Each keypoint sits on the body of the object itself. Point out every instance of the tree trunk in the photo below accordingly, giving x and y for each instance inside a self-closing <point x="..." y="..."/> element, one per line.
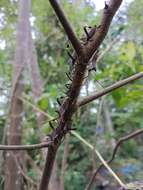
<point x="36" y="81"/>
<point x="37" y="85"/>
<point x="109" y="124"/>
<point x="13" y="178"/>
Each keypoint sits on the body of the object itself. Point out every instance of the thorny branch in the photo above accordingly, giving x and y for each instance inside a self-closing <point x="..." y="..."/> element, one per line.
<point x="120" y="141"/>
<point x="84" y="53"/>
<point x="69" y="105"/>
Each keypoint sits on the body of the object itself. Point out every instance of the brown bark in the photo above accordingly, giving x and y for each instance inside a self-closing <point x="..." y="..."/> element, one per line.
<point x="13" y="179"/>
<point x="64" y="161"/>
<point x="49" y="167"/>
<point x="54" y="182"/>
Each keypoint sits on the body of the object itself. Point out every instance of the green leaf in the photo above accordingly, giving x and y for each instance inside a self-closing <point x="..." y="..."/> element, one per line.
<point x="43" y="102"/>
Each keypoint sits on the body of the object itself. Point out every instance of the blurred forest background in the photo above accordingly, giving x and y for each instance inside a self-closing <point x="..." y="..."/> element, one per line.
<point x="101" y="122"/>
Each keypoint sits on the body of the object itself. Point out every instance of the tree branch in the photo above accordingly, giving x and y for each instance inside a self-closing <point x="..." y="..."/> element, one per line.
<point x="120" y="141"/>
<point x="68" y="106"/>
<point x="108" y="14"/>
<point x="48" y="167"/>
<point x="64" y="161"/>
<point x="66" y="25"/>
<point x="100" y="158"/>
<point x="25" y="147"/>
<point x="108" y="89"/>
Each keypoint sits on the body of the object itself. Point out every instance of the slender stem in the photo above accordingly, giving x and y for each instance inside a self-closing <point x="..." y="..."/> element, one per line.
<point x="121" y="140"/>
<point x="100" y="157"/>
<point x="108" y="89"/>
<point x="24" y="147"/>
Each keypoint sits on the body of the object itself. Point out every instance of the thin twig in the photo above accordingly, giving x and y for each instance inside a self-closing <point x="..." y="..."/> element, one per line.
<point x="25" y="147"/>
<point x="109" y="47"/>
<point x="100" y="157"/>
<point x="35" y="107"/>
<point x="121" y="140"/>
<point x="108" y="89"/>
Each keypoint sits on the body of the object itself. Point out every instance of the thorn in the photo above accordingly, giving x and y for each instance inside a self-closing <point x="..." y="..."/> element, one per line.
<point x="72" y="129"/>
<point x="69" y="77"/>
<point x="92" y="69"/>
<point x="62" y="97"/>
<point x="67" y="86"/>
<point x="106" y="6"/>
<point x="68" y="45"/>
<point x="90" y="33"/>
<point x="49" y="137"/>
<point x="86" y="32"/>
<point x="51" y="125"/>
<point x="58" y="100"/>
<point x="71" y="56"/>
